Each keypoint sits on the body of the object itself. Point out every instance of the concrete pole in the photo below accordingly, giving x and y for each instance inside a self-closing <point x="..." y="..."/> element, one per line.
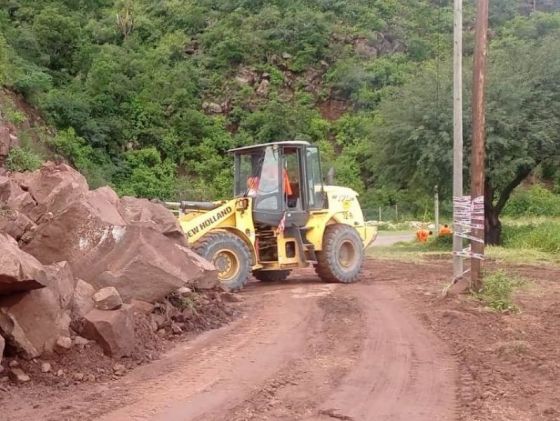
<point x="436" y="211"/>
<point x="457" y="127"/>
<point x="478" y="130"/>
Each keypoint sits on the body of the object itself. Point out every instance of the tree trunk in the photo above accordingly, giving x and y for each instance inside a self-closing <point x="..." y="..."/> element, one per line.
<point x="492" y="226"/>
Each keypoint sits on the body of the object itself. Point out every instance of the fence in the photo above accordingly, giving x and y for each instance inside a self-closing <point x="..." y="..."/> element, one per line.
<point x="404" y="212"/>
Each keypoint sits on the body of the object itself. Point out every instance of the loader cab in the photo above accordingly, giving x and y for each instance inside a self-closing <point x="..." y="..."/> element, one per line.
<point x="284" y="179"/>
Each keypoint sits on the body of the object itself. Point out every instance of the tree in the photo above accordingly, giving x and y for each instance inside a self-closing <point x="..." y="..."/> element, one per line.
<point x="413" y="131"/>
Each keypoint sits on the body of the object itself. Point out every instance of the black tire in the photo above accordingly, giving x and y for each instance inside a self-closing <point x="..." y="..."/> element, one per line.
<point x="333" y="263"/>
<point x="271" y="275"/>
<point x="223" y="249"/>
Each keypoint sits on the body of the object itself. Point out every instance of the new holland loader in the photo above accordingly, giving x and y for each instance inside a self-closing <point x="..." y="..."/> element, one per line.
<point x="282" y="217"/>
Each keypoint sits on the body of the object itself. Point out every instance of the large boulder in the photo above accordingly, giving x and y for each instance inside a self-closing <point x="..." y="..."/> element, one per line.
<point x="14" y="223"/>
<point x="19" y="271"/>
<point x="2" y="345"/>
<point x="13" y="197"/>
<point x="77" y="230"/>
<point x="142" y="263"/>
<point x="61" y="280"/>
<point x="107" y="298"/>
<point x="143" y="211"/>
<point x="82" y="300"/>
<point x="113" y="330"/>
<point x="32" y="321"/>
<point x="53" y="187"/>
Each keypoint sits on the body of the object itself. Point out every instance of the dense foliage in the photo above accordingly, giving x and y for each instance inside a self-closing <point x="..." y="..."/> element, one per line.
<point x="414" y="127"/>
<point x="148" y="96"/>
<point x="133" y="86"/>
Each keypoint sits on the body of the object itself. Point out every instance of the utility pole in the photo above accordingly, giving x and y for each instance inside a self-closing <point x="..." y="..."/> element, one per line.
<point x="436" y="211"/>
<point x="457" y="130"/>
<point x="478" y="132"/>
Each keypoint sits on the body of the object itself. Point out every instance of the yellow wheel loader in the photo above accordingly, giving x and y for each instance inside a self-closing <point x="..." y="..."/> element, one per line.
<point x="281" y="218"/>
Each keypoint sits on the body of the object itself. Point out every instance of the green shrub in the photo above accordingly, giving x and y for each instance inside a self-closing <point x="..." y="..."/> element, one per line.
<point x="22" y="159"/>
<point x="542" y="236"/>
<point x="535" y="201"/>
<point x="497" y="291"/>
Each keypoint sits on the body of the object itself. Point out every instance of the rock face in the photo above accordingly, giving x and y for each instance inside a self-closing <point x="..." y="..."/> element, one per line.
<point x="53" y="187"/>
<point x="143" y="211"/>
<point x="32" y="321"/>
<point x="14" y="198"/>
<point x="142" y="264"/>
<point x="82" y="300"/>
<point x="113" y="330"/>
<point x="19" y="271"/>
<point x="61" y="280"/>
<point x="2" y="346"/>
<point x="107" y="298"/>
<point x="14" y="223"/>
<point x="74" y="232"/>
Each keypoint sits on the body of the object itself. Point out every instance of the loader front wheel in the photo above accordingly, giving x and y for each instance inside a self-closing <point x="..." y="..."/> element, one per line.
<point x="342" y="256"/>
<point x="229" y="254"/>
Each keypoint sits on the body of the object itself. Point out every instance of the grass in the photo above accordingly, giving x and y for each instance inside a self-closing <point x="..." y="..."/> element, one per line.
<point x="498" y="290"/>
<point x="533" y="240"/>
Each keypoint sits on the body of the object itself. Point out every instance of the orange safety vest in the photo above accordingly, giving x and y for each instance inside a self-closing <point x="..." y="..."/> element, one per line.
<point x="445" y="231"/>
<point x="422" y="235"/>
<point x="253" y="183"/>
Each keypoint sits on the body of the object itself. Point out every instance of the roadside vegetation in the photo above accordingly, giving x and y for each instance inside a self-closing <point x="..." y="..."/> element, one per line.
<point x="497" y="292"/>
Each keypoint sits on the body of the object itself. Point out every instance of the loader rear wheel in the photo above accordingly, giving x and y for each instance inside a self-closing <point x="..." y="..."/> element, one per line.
<point x="342" y="256"/>
<point x="271" y="275"/>
<point x="230" y="255"/>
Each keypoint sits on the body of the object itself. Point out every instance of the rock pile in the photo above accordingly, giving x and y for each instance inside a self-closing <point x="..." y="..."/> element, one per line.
<point x="80" y="262"/>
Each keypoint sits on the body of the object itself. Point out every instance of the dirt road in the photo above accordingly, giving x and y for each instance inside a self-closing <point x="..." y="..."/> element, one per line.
<point x="303" y="351"/>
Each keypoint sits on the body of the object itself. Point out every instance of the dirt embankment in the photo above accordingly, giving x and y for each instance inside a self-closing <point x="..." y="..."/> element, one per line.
<point x="509" y="364"/>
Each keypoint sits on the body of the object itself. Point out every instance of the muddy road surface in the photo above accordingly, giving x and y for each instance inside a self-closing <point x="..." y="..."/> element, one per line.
<point x="303" y="350"/>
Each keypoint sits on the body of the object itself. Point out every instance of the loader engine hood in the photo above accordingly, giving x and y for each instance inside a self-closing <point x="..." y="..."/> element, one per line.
<point x="340" y="193"/>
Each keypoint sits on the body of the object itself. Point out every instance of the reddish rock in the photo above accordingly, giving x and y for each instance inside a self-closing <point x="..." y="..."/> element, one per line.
<point x="112" y="330"/>
<point x="143" y="264"/>
<point x="2" y="345"/>
<point x="76" y="231"/>
<point x="53" y="187"/>
<point x="82" y="300"/>
<point x="14" y="223"/>
<point x="13" y="197"/>
<point x="107" y="298"/>
<point x="19" y="271"/>
<point x="32" y="321"/>
<point x="139" y="306"/>
<point x="18" y="375"/>
<point x="106" y="193"/>
<point x="143" y="211"/>
<point x="61" y="280"/>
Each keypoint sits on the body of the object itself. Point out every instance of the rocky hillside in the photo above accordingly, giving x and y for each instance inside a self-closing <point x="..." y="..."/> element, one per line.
<point x="147" y="96"/>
